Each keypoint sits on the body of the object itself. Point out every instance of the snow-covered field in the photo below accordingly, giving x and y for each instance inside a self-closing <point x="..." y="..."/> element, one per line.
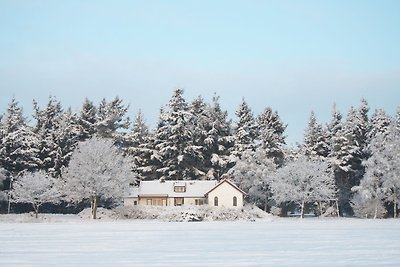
<point x="68" y="241"/>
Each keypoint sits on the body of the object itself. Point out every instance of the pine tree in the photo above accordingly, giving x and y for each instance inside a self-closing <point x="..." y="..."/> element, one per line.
<point x="87" y="119"/>
<point x="17" y="142"/>
<point x="315" y="139"/>
<point x="111" y="117"/>
<point x="245" y="129"/>
<point x="174" y="141"/>
<point x="219" y="141"/>
<point x="47" y="127"/>
<point x="138" y="145"/>
<point x="271" y="134"/>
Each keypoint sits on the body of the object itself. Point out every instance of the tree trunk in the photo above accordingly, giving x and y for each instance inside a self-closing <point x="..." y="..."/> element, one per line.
<point x="394" y="207"/>
<point x="36" y="209"/>
<point x="320" y="208"/>
<point x="376" y="211"/>
<point x="94" y="207"/>
<point x="302" y="209"/>
<point x="337" y="208"/>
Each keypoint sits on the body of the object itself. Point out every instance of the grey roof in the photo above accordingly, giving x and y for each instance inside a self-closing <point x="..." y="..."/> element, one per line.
<point x="166" y="188"/>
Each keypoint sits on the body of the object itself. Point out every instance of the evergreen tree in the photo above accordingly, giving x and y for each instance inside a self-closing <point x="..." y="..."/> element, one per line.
<point x="17" y="141"/>
<point x="46" y="129"/>
<point x="111" y="117"/>
<point x="271" y="134"/>
<point x="138" y="144"/>
<point x="219" y="141"/>
<point x="315" y="139"/>
<point x="245" y="129"/>
<point x="87" y="119"/>
<point x="174" y="142"/>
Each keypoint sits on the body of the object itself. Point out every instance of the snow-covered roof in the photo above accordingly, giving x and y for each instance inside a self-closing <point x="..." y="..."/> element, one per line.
<point x="166" y="188"/>
<point x="226" y="180"/>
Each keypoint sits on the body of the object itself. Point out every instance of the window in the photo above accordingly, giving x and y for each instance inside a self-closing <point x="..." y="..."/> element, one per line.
<point x="180" y="189"/>
<point x="199" y="202"/>
<point x="179" y="201"/>
<point x="149" y="202"/>
<point x="135" y="202"/>
<point x="216" y="201"/>
<point x="235" y="201"/>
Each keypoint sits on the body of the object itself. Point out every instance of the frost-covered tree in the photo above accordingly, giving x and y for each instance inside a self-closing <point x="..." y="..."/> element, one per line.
<point x="17" y="142"/>
<point x="380" y="123"/>
<point x="271" y="134"/>
<point x="174" y="141"/>
<point x="381" y="182"/>
<point x="252" y="173"/>
<point x="87" y="119"/>
<point x="346" y="157"/>
<point x="303" y="182"/>
<point x="36" y="188"/>
<point x="66" y="139"/>
<point x="111" y="117"/>
<point x="219" y="141"/>
<point x="97" y="171"/>
<point x="315" y="144"/>
<point x="138" y="145"/>
<point x="46" y="128"/>
<point x="245" y="130"/>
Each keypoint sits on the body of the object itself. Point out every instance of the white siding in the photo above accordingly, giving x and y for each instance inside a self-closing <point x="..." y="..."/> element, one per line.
<point x="225" y="193"/>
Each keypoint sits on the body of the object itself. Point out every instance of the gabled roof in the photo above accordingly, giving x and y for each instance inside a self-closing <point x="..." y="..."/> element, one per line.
<point x="226" y="180"/>
<point x="166" y="188"/>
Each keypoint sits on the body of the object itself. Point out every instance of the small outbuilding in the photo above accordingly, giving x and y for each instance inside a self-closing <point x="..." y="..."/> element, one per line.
<point x="177" y="193"/>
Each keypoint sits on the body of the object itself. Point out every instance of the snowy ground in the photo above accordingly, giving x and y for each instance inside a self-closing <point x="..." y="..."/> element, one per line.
<point x="68" y="241"/>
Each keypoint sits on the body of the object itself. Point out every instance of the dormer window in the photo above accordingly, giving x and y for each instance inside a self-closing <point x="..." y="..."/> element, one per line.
<point x="180" y="187"/>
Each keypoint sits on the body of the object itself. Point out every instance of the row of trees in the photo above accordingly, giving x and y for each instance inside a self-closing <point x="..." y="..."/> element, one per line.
<point x="196" y="140"/>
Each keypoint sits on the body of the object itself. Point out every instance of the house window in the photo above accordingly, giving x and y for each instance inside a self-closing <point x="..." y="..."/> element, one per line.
<point x="149" y="202"/>
<point x="179" y="201"/>
<point x="199" y="202"/>
<point x="216" y="201"/>
<point x="135" y="202"/>
<point x="180" y="189"/>
<point x="235" y="201"/>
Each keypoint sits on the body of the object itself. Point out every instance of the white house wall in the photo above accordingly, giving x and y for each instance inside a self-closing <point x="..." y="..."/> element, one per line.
<point x="225" y="193"/>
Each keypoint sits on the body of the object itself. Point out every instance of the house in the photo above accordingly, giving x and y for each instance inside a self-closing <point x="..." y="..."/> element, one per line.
<point x="177" y="193"/>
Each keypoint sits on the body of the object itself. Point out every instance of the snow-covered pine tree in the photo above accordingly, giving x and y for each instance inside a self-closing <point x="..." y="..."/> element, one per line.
<point x="97" y="171"/>
<point x="245" y="130"/>
<point x="315" y="144"/>
<point x="348" y="151"/>
<point x="36" y="188"/>
<point x="138" y="144"/>
<point x="111" y="117"/>
<point x="46" y="128"/>
<point x="380" y="123"/>
<point x="66" y="138"/>
<point x="87" y="119"/>
<point x="271" y="134"/>
<point x="219" y="141"/>
<point x="174" y="143"/>
<point x="252" y="173"/>
<point x="303" y="181"/>
<point x="17" y="141"/>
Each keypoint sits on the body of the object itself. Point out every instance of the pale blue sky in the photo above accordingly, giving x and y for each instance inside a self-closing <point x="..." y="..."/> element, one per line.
<point x="295" y="56"/>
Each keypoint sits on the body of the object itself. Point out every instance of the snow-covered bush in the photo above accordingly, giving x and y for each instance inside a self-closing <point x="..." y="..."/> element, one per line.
<point x="190" y="213"/>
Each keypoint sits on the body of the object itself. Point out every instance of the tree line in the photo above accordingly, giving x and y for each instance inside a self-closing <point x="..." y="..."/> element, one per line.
<point x="351" y="161"/>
